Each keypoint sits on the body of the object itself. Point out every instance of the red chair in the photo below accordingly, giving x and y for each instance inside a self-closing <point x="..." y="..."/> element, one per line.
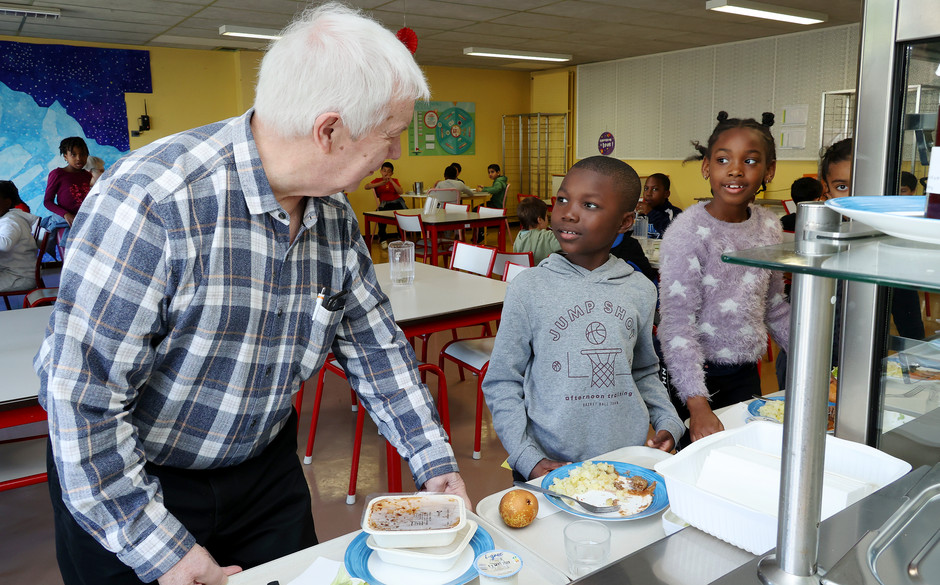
<point x="474" y="354"/>
<point x="412" y="224"/>
<point x="40" y="297"/>
<point x="43" y="236"/>
<point x="502" y="258"/>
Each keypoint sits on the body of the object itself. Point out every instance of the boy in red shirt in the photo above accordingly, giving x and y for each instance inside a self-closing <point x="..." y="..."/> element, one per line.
<point x="388" y="192"/>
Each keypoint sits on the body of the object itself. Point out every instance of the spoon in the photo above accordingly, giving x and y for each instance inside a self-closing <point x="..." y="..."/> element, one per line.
<point x="589" y="507"/>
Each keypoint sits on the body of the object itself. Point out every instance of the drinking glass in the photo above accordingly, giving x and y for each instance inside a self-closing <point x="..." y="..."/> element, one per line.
<point x="641" y="228"/>
<point x="401" y="259"/>
<point x="587" y="545"/>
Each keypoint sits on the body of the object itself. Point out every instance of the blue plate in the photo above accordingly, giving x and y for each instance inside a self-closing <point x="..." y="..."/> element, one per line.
<point x="660" y="498"/>
<point x="358" y="554"/>
<point x="901" y="217"/>
<point x="754" y="407"/>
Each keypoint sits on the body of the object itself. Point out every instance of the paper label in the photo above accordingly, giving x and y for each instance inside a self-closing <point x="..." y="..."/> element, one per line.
<point x="933" y="174"/>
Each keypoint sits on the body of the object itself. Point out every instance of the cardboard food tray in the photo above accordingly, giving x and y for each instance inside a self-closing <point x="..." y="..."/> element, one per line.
<point x="753" y="531"/>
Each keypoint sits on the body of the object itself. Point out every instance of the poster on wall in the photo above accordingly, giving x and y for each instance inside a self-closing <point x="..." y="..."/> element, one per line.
<point x="50" y="92"/>
<point x="442" y="129"/>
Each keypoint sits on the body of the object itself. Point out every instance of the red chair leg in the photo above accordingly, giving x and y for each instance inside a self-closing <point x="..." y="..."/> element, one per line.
<point x="478" y="432"/>
<point x="443" y="405"/>
<point x="393" y="461"/>
<point x="357" y="448"/>
<point x="770" y="350"/>
<point x="308" y="456"/>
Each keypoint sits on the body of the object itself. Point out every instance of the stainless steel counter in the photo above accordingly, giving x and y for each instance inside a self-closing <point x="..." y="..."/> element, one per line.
<point x="691" y="557"/>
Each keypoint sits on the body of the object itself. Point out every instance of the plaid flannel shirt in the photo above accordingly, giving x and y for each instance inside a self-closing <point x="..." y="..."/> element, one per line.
<point x="185" y="321"/>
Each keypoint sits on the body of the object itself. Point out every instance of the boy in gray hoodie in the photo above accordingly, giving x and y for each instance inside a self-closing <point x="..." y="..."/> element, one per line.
<point x="573" y="373"/>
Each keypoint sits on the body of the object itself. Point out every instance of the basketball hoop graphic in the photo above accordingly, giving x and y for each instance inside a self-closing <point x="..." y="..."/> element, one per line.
<point x="602" y="366"/>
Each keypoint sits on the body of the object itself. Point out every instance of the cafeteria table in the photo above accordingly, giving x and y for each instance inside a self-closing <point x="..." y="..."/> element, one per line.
<point x="438" y="221"/>
<point x="417" y="201"/>
<point x="23" y="332"/>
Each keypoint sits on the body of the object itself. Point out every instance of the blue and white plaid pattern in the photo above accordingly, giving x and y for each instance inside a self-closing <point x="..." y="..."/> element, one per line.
<point x="185" y="321"/>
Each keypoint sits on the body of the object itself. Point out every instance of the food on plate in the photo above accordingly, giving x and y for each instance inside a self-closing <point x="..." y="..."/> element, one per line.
<point x="518" y="508"/>
<point x="414" y="513"/>
<point x="774" y="409"/>
<point x="601" y="484"/>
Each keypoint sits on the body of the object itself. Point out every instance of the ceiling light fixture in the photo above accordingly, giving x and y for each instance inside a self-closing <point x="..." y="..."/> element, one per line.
<point x="249" y="32"/>
<point x="30" y="11"/>
<point x="508" y="54"/>
<point x="770" y="11"/>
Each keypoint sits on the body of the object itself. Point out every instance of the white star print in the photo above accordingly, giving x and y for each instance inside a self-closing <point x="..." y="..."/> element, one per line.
<point x="749" y="277"/>
<point x="694" y="265"/>
<point x="746" y="330"/>
<point x="707" y="328"/>
<point x="728" y="306"/>
<point x="725" y="353"/>
<point x="678" y="342"/>
<point x="710" y="280"/>
<point x="703" y="231"/>
<point x="776" y="300"/>
<point x="676" y="289"/>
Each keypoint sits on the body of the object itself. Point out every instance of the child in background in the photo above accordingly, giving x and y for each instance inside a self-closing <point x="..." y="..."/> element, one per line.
<point x="715" y="315"/>
<point x="535" y="236"/>
<point x="573" y="373"/>
<point x="656" y="206"/>
<point x="67" y="187"/>
<point x="95" y="166"/>
<point x="802" y="190"/>
<point x="388" y="196"/>
<point x="498" y="189"/>
<point x="459" y="170"/>
<point x="17" y="245"/>
<point x="908" y="184"/>
<point x="450" y="181"/>
<point x="835" y="170"/>
<point x="12" y="193"/>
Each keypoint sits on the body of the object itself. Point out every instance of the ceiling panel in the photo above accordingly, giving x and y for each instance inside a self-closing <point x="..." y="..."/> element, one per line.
<point x="590" y="30"/>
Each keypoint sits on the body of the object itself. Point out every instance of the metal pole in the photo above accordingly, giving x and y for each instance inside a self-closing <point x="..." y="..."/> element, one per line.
<point x="812" y="313"/>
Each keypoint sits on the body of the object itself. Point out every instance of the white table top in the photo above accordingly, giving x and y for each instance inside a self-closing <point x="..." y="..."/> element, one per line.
<point x="436" y="216"/>
<point x="23" y="332"/>
<point x="534" y="570"/>
<point x="545" y="535"/>
<point x="439" y="291"/>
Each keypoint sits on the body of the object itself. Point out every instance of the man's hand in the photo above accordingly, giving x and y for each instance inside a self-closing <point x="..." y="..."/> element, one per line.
<point x="198" y="568"/>
<point x="69" y="217"/>
<point x="449" y="483"/>
<point x="544" y="466"/>
<point x="662" y="441"/>
<point x="702" y="421"/>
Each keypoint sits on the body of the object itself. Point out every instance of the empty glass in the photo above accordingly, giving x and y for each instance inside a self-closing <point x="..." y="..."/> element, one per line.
<point x="587" y="545"/>
<point x="401" y="260"/>
<point x="641" y="228"/>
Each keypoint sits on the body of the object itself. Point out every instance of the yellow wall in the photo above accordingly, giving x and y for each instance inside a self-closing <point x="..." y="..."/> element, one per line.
<point x="495" y="94"/>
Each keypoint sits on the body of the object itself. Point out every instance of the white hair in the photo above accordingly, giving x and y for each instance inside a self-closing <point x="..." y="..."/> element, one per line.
<point x="334" y="59"/>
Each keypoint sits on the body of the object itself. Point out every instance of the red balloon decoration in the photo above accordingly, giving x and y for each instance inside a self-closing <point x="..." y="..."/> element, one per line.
<point x="409" y="38"/>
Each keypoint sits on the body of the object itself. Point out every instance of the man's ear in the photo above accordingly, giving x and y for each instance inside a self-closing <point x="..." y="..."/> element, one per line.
<point x="627" y="224"/>
<point x="324" y="128"/>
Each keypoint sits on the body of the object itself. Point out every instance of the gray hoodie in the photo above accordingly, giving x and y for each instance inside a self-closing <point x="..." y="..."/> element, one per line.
<point x="573" y="373"/>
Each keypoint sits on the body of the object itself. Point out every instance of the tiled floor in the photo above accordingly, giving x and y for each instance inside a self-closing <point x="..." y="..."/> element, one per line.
<point x="26" y="543"/>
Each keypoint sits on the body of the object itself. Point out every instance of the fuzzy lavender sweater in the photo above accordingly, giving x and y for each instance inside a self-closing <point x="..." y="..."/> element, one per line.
<point x="715" y="311"/>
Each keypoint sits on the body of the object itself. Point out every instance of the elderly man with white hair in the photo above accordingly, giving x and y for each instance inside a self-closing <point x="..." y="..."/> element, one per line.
<point x="209" y="274"/>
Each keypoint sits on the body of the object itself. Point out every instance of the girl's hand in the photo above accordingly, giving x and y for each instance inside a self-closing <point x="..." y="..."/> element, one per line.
<point x="702" y="421"/>
<point x="544" y="466"/>
<point x="69" y="217"/>
<point x="662" y="441"/>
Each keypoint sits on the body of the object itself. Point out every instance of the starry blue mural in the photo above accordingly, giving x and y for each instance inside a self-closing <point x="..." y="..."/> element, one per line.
<point x="49" y="92"/>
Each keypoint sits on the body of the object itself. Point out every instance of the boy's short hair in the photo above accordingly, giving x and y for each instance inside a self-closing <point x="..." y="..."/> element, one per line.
<point x="494" y="167"/>
<point x="450" y="172"/>
<point x="909" y="180"/>
<point x="625" y="179"/>
<point x="9" y="191"/>
<point x="389" y="166"/>
<point x="662" y="179"/>
<point x="805" y="189"/>
<point x="530" y="211"/>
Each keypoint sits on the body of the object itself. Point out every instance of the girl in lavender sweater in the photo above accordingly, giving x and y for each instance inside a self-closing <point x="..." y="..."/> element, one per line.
<point x="715" y="316"/>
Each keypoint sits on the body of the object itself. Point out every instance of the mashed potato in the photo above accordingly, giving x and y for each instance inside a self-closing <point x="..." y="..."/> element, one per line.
<point x="772" y="409"/>
<point x="590" y="480"/>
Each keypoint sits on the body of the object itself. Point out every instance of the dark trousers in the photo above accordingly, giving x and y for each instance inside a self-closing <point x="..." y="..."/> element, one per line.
<point x="728" y="385"/>
<point x="244" y="515"/>
<point x="388" y="206"/>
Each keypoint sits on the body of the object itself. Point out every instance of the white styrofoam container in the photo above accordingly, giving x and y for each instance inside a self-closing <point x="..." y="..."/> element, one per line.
<point x="434" y="558"/>
<point x="725" y="518"/>
<point x="415" y="515"/>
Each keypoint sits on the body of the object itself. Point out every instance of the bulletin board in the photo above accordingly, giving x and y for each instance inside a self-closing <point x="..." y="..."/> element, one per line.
<point x="655" y="105"/>
<point x="442" y="129"/>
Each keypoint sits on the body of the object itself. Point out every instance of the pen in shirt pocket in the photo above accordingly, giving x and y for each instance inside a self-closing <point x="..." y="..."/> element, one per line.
<point x="333" y="302"/>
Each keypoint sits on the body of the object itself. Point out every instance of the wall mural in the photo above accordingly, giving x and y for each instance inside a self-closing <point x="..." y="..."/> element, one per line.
<point x="50" y="92"/>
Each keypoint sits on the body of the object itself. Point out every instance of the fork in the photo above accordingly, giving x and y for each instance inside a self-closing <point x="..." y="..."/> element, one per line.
<point x="589" y="507"/>
<point x="915" y="390"/>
